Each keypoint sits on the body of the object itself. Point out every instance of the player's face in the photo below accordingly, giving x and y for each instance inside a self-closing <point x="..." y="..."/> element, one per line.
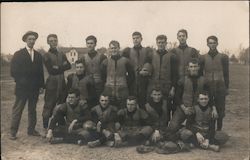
<point x="182" y="37"/>
<point x="131" y="105"/>
<point x="104" y="101"/>
<point x="30" y="40"/>
<point x="79" y="68"/>
<point x="193" y="69"/>
<point x="203" y="100"/>
<point x="161" y="44"/>
<point x="72" y="99"/>
<point x="137" y="40"/>
<point x="114" y="49"/>
<point x="212" y="44"/>
<point x="91" y="44"/>
<point x="53" y="41"/>
<point x="156" y="96"/>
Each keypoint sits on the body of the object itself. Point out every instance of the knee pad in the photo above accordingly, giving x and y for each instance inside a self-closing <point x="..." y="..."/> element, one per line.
<point x="185" y="134"/>
<point x="221" y="137"/>
<point x="147" y="131"/>
<point x="170" y="146"/>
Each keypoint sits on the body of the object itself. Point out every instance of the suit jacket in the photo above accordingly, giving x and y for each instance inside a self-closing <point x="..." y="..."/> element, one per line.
<point x="28" y="75"/>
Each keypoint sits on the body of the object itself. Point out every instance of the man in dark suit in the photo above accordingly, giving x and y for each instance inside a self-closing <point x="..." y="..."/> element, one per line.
<point x="27" y="70"/>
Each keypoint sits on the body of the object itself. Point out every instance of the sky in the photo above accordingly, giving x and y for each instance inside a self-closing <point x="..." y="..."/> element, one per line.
<point x="74" y="21"/>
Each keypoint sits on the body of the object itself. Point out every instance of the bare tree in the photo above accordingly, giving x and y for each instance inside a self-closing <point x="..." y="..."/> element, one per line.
<point x="227" y="52"/>
<point x="233" y="59"/>
<point x="244" y="56"/>
<point x="41" y="50"/>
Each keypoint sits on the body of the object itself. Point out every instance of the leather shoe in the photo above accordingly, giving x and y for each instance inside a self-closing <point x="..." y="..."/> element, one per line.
<point x="34" y="133"/>
<point x="12" y="137"/>
<point x="56" y="140"/>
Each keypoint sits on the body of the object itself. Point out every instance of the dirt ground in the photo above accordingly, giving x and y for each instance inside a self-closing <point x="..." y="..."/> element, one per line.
<point x="236" y="124"/>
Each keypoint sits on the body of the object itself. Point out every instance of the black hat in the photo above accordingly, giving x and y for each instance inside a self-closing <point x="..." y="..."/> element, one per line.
<point x="29" y="33"/>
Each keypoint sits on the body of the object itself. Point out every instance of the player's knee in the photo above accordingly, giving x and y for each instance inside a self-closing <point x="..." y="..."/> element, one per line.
<point x="170" y="146"/>
<point x="173" y="126"/>
<point x="147" y="130"/>
<point x="221" y="137"/>
<point x="185" y="134"/>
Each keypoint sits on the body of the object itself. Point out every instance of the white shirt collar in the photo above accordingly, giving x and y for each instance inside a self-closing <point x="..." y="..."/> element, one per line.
<point x="31" y="52"/>
<point x="29" y="49"/>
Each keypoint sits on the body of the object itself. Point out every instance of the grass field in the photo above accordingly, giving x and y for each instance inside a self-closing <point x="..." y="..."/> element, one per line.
<point x="236" y="124"/>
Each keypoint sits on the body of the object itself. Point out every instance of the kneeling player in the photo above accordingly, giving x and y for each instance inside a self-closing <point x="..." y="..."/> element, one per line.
<point x="200" y="129"/>
<point x="71" y="121"/>
<point x="134" y="128"/>
<point x="156" y="107"/>
<point x="104" y="116"/>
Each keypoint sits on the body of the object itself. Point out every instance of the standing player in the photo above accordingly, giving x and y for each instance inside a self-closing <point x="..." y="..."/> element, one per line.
<point x="141" y="58"/>
<point x="216" y="73"/>
<point x="56" y="63"/>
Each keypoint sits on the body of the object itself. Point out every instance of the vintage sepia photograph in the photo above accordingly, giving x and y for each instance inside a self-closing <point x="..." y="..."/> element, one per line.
<point x="125" y="80"/>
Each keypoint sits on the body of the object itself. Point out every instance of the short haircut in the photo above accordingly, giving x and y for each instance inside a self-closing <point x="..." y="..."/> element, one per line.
<point x="204" y="92"/>
<point x="136" y="33"/>
<point x="132" y="98"/>
<point x="161" y="37"/>
<point x="156" y="88"/>
<point x="104" y="95"/>
<point x="183" y="31"/>
<point x="213" y="38"/>
<point x="74" y="91"/>
<point x="91" y="37"/>
<point x="194" y="61"/>
<point x="51" y="35"/>
<point x="115" y="43"/>
<point x="79" y="61"/>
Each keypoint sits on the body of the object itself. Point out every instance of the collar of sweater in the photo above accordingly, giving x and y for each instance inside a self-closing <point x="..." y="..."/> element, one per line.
<point x="92" y="53"/>
<point x="152" y="103"/>
<point x="131" y="113"/>
<point x="213" y="53"/>
<point x="102" y="108"/>
<point x="161" y="52"/>
<point x="53" y="50"/>
<point x="193" y="76"/>
<point x="73" y="106"/>
<point x="183" y="46"/>
<point x="137" y="47"/>
<point x="116" y="57"/>
<point x="80" y="76"/>
<point x="203" y="109"/>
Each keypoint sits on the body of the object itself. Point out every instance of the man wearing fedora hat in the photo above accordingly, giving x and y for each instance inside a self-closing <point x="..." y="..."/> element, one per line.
<point x="27" y="71"/>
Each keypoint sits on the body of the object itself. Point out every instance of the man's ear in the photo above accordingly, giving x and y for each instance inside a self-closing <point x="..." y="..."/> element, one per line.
<point x="151" y="94"/>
